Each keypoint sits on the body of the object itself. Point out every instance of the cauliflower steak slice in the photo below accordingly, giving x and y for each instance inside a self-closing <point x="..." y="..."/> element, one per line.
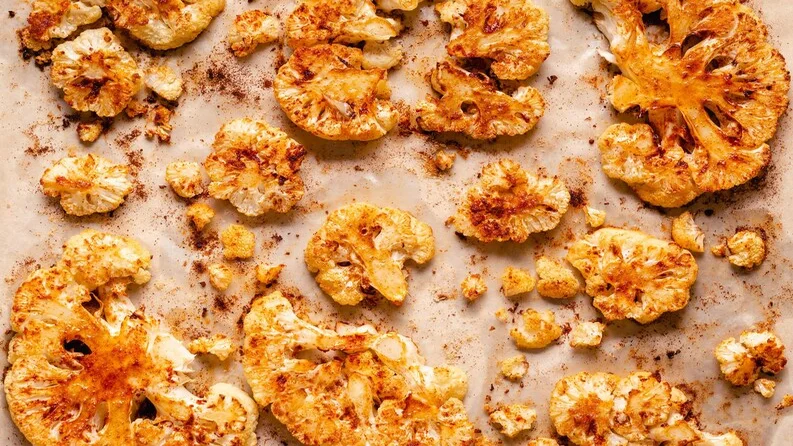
<point x="255" y="166"/>
<point x="373" y="389"/>
<point x="56" y="19"/>
<point x="512" y="33"/>
<point x="324" y="91"/>
<point x="361" y="249"/>
<point x="713" y="93"/>
<point x="338" y="21"/>
<point x="632" y="275"/>
<point x="111" y="375"/>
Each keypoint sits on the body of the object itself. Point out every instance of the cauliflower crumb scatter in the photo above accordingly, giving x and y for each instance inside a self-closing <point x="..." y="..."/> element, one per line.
<point x="514" y="368"/>
<point x="473" y="286"/>
<point x="502" y="315"/>
<point x="220" y="276"/>
<point x="90" y="131"/>
<point x="95" y="73"/>
<point x="185" y="178"/>
<point x="508" y="203"/>
<point x="200" y="214"/>
<point x="687" y="234"/>
<point x="87" y="184"/>
<point x="747" y="249"/>
<point x="595" y="218"/>
<point x="383" y="55"/>
<point x="164" y="81"/>
<point x="158" y="123"/>
<point x="787" y="401"/>
<point x="512" y="419"/>
<point x="238" y="242"/>
<point x="267" y="274"/>
<point x="56" y="19"/>
<point x="742" y="360"/>
<point x="765" y="387"/>
<point x="539" y="329"/>
<point x="554" y="280"/>
<point x="516" y="281"/>
<point x="338" y="21"/>
<point x="443" y="160"/>
<point x="217" y="345"/>
<point x="251" y="29"/>
<point x="587" y="334"/>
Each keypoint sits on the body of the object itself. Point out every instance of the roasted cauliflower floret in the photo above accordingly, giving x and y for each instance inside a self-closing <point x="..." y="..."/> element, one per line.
<point x="512" y="419"/>
<point x="713" y="92"/>
<point x="324" y="91"/>
<point x="594" y="217"/>
<point x="87" y="184"/>
<point x="200" y="214"/>
<point x="373" y="388"/>
<point x="514" y="368"/>
<point x="238" y="242"/>
<point x="89" y="131"/>
<point x="185" y="178"/>
<point x="164" y="24"/>
<point x="164" y="81"/>
<point x="587" y="334"/>
<point x="747" y="249"/>
<point x="554" y="280"/>
<point x="255" y="166"/>
<point x="251" y="29"/>
<point x="473" y="286"/>
<point x="402" y="5"/>
<point x="218" y="345"/>
<point x="383" y="55"/>
<point x="267" y="274"/>
<point x="512" y="33"/>
<point x="471" y="104"/>
<point x="338" y="21"/>
<point x="443" y="160"/>
<point x="80" y="376"/>
<point x="361" y="249"/>
<point x="765" y="387"/>
<point x="516" y="281"/>
<point x="539" y="329"/>
<point x="687" y="234"/>
<point x="158" y="123"/>
<point x="742" y="360"/>
<point x="543" y="442"/>
<point x="581" y="407"/>
<point x="56" y="19"/>
<point x="508" y="203"/>
<point x="787" y="401"/>
<point x="95" y="73"/>
<point x="632" y="275"/>
<point x="220" y="276"/>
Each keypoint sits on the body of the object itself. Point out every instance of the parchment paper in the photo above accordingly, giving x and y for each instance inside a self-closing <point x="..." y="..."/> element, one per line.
<point x="393" y="171"/>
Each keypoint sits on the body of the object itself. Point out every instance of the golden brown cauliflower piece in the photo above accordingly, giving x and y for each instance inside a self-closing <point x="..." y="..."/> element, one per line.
<point x="338" y="21"/>
<point x="255" y="166"/>
<point x="539" y="329"/>
<point x="361" y="249"/>
<point x="587" y="334"/>
<point x="374" y="388"/>
<point x="514" y="368"/>
<point x="87" y="184"/>
<point x="200" y="214"/>
<point x="443" y="160"/>
<point x="383" y="55"/>
<point x="164" y="24"/>
<point x="185" y="178"/>
<point x="516" y="281"/>
<point x="238" y="242"/>
<point x="594" y="217"/>
<point x="471" y="104"/>
<point x="543" y="442"/>
<point x="747" y="249"/>
<point x="251" y="29"/>
<point x="164" y="81"/>
<point x="554" y="280"/>
<point x="84" y="376"/>
<point x="687" y="234"/>
<point x="512" y="33"/>
<point x="713" y="92"/>
<point x="220" y="276"/>
<point x="324" y="91"/>
<point x="787" y="401"/>
<point x="742" y="360"/>
<point x="632" y="275"/>
<point x="473" y="286"/>
<point x="90" y="131"/>
<point x="268" y="274"/>
<point x="512" y="419"/>
<point x="765" y="387"/>
<point x="217" y="345"/>
<point x="402" y="5"/>
<point x="95" y="73"/>
<point x="56" y="19"/>
<point x="508" y="203"/>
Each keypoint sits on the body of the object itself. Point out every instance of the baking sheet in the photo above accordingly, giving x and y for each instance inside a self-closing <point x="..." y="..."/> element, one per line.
<point x="393" y="171"/>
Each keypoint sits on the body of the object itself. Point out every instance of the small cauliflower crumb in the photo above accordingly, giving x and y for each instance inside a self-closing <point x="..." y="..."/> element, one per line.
<point x="164" y="81"/>
<point x="539" y="329"/>
<point x="268" y="274"/>
<point x="238" y="242"/>
<point x="158" y="123"/>
<point x="514" y="368"/>
<point x="89" y="131"/>
<point x="719" y="250"/>
<point x="554" y="280"/>
<point x="220" y="276"/>
<point x="473" y="286"/>
<point x="516" y="281"/>
<point x="135" y="109"/>
<point x="765" y="387"/>
<point x="443" y="160"/>
<point x="747" y="249"/>
<point x="787" y="401"/>
<point x="218" y="345"/>
<point x="513" y="419"/>
<point x="185" y="178"/>
<point x="543" y="442"/>
<point x="200" y="215"/>
<point x="382" y="55"/>
<point x="594" y="217"/>
<point x="687" y="234"/>
<point x="587" y="334"/>
<point x="502" y="314"/>
<point x="251" y="29"/>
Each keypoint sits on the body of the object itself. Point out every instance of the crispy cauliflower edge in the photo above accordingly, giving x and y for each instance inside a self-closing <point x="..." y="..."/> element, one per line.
<point x="538" y="330"/>
<point x="185" y="178"/>
<point x="687" y="234"/>
<point x="742" y="360"/>
<point x="554" y="280"/>
<point x="251" y="29"/>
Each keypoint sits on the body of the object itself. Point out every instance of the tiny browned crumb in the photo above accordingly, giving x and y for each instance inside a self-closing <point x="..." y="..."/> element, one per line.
<point x="238" y="242"/>
<point x="787" y="401"/>
<point x="136" y="108"/>
<point x="473" y="287"/>
<point x="444" y="160"/>
<point x="587" y="334"/>
<point x="765" y="387"/>
<point x="217" y="345"/>
<point x="594" y="217"/>
<point x="513" y="419"/>
<point x="158" y="123"/>
<point x="200" y="215"/>
<point x="89" y="131"/>
<point x="720" y="250"/>
<point x="220" y="276"/>
<point x="516" y="281"/>
<point x="514" y="368"/>
<point x="268" y="274"/>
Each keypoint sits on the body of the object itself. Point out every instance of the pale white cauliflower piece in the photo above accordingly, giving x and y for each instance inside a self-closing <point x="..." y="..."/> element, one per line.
<point x="268" y="274"/>
<point x="238" y="242"/>
<point x="516" y="281"/>
<point x="56" y="19"/>
<point x="765" y="387"/>
<point x="747" y="249"/>
<point x="185" y="178"/>
<point x="512" y="419"/>
<point x="383" y="55"/>
<point x="338" y="21"/>
<point x="594" y="217"/>
<point x="538" y="330"/>
<point x="554" y="280"/>
<point x="164" y="81"/>
<point x="508" y="203"/>
<point x="251" y="29"/>
<point x="514" y="368"/>
<point x="217" y="345"/>
<point x="587" y="334"/>
<point x="200" y="214"/>
<point x="220" y="276"/>
<point x="90" y="131"/>
<point x="742" y="360"/>
<point x="361" y="249"/>
<point x="473" y="286"/>
<point x="687" y="234"/>
<point x="87" y="184"/>
<point x="95" y="73"/>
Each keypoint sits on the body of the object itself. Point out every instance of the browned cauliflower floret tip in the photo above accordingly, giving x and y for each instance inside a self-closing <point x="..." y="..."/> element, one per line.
<point x="251" y="29"/>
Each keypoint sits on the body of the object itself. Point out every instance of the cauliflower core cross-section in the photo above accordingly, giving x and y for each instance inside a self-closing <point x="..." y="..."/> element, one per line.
<point x="742" y="360"/>
<point x="605" y="409"/>
<point x="471" y="104"/>
<point x="255" y="167"/>
<point x="371" y="388"/>
<point x="338" y="21"/>
<point x="111" y="375"/>
<point x="95" y="73"/>
<point x="632" y="275"/>
<point x="324" y="91"/>
<point x="513" y="33"/>
<point x="87" y="184"/>
<point x="56" y="19"/>
<point x="360" y="251"/>
<point x="509" y="203"/>
<point x="713" y="92"/>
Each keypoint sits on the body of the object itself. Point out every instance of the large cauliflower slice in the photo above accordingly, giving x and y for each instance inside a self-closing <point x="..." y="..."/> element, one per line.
<point x="604" y="409"/>
<point x="113" y="375"/>
<point x="96" y="73"/>
<point x="471" y="104"/>
<point x="56" y="19"/>
<point x="742" y="360"/>
<point x="508" y="203"/>
<point x="324" y="91"/>
<point x="371" y="388"/>
<point x="713" y="93"/>
<point x="87" y="184"/>
<point x="255" y="166"/>
<point x="513" y="33"/>
<point x="338" y="21"/>
<point x="361" y="249"/>
<point x="164" y="24"/>
<point x="632" y="275"/>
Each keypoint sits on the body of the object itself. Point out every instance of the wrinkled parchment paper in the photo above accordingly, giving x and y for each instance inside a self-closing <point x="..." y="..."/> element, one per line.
<point x="393" y="171"/>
